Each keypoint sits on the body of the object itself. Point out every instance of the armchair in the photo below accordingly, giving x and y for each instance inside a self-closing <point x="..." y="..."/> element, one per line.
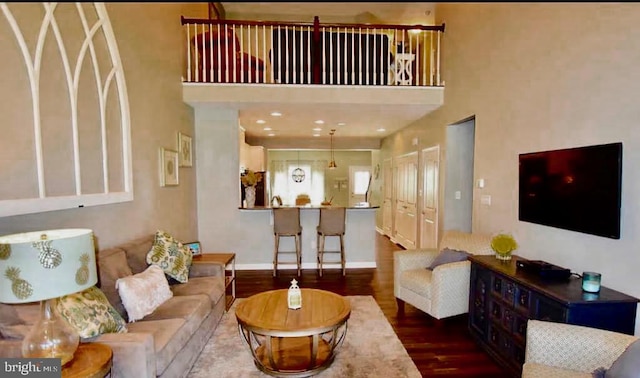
<point x="443" y="291"/>
<point x="567" y="350"/>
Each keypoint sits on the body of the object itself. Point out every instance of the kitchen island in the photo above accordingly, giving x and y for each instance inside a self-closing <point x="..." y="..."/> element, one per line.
<point x="359" y="238"/>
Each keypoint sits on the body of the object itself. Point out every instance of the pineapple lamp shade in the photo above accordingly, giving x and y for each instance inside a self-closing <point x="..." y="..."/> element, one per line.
<point x="43" y="266"/>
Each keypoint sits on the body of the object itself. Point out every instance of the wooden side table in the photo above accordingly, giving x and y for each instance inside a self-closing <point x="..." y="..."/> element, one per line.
<point x="229" y="261"/>
<point x="91" y="360"/>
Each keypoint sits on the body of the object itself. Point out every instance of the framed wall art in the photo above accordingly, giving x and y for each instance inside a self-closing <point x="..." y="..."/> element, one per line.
<point x="168" y="167"/>
<point x="194" y="247"/>
<point x="185" y="150"/>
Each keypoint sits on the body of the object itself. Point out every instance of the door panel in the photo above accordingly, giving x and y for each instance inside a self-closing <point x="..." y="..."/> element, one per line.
<point x="430" y="189"/>
<point x="406" y="200"/>
<point x="387" y="192"/>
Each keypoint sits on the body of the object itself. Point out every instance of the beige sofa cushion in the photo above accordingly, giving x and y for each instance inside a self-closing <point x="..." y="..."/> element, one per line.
<point x="213" y="287"/>
<point x="113" y="265"/>
<point x="418" y="281"/>
<point x="172" y="325"/>
<point x="137" y="250"/>
<point x="533" y="370"/>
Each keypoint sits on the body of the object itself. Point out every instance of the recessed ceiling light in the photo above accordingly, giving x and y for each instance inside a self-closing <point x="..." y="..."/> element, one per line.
<point x="316" y="135"/>
<point x="261" y="121"/>
<point x="381" y="130"/>
<point x="341" y="123"/>
<point x="271" y="134"/>
<point x="317" y="129"/>
<point x="276" y="114"/>
<point x="319" y="122"/>
<point x="267" y="129"/>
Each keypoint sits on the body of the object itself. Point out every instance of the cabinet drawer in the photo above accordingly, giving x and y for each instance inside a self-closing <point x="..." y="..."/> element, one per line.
<point x="520" y="327"/>
<point x="523" y="299"/>
<point x="500" y="342"/>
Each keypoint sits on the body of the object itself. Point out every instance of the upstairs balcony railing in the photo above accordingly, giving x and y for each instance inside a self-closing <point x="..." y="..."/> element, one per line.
<point x="233" y="51"/>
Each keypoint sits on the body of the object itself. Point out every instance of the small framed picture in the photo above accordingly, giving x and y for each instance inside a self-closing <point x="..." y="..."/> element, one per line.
<point x="194" y="247"/>
<point x="185" y="150"/>
<point x="168" y="167"/>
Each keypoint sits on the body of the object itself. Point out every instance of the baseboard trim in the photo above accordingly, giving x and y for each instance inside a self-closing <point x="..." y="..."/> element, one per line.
<point x="356" y="264"/>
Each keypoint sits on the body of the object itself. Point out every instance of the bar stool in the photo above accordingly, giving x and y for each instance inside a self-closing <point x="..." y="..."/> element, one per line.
<point x="286" y="223"/>
<point x="331" y="223"/>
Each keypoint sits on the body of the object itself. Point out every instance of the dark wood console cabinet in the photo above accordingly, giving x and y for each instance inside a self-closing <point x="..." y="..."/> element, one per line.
<point x="502" y="299"/>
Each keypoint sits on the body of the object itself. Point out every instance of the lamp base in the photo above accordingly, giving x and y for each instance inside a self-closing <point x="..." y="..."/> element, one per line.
<point x="51" y="336"/>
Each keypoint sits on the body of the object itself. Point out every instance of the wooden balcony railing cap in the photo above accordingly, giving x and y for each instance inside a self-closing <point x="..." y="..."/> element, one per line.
<point x="310" y="24"/>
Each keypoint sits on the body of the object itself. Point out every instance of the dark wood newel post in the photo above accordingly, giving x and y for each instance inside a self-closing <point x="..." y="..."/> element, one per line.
<point x="316" y="49"/>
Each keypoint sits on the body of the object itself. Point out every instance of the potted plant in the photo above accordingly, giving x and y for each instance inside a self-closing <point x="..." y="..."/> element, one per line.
<point x="249" y="179"/>
<point x="503" y="245"/>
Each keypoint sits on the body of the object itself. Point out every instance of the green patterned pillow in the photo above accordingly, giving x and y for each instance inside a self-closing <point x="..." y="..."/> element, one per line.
<point x="170" y="255"/>
<point x="90" y="313"/>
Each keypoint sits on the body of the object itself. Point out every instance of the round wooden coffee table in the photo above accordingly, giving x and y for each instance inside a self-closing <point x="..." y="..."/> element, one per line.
<point x="293" y="343"/>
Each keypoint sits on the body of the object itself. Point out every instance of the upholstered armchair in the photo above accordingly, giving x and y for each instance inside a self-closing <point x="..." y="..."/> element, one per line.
<point x="567" y="350"/>
<point x="443" y="291"/>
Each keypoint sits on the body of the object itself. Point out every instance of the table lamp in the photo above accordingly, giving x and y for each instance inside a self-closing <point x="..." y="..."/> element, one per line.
<point x="43" y="266"/>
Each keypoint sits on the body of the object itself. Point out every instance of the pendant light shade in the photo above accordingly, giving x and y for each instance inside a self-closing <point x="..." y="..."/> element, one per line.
<point x="298" y="174"/>
<point x="332" y="163"/>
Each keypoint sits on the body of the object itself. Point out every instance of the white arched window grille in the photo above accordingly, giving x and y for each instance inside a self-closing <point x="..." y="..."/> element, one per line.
<point x="66" y="131"/>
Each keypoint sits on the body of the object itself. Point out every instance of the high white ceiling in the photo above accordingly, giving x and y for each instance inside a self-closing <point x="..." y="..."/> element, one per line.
<point x="298" y="120"/>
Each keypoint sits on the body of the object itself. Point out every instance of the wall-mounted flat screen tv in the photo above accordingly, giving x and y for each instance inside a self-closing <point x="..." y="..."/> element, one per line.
<point x="577" y="189"/>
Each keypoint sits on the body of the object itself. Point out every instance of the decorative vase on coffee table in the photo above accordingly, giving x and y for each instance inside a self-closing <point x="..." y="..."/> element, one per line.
<point x="250" y="196"/>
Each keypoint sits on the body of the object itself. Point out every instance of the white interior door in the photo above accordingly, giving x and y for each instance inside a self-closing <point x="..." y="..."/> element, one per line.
<point x="387" y="195"/>
<point x="406" y="200"/>
<point x="429" y="206"/>
<point x="359" y="183"/>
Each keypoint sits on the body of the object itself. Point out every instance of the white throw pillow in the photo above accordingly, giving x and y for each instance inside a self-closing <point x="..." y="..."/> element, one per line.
<point x="142" y="293"/>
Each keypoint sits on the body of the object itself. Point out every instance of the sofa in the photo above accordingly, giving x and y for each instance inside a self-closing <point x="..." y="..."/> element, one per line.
<point x="567" y="350"/>
<point x="164" y="343"/>
<point x="444" y="290"/>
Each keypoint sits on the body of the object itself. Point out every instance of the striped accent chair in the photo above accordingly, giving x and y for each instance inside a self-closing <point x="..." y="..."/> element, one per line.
<point x="443" y="291"/>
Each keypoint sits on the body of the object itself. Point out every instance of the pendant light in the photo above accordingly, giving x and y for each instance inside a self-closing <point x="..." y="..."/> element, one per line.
<point x="332" y="163"/>
<point x="298" y="174"/>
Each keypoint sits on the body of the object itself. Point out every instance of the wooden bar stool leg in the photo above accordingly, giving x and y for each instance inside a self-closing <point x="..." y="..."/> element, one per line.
<point x="342" y="259"/>
<point x="275" y="254"/>
<point x="298" y="253"/>
<point x="321" y="253"/>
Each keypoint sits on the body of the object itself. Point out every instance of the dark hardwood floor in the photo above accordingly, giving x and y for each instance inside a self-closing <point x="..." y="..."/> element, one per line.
<point x="438" y="348"/>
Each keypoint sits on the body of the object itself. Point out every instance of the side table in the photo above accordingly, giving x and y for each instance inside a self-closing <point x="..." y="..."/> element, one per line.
<point x="404" y="65"/>
<point x="229" y="262"/>
<point x="91" y="360"/>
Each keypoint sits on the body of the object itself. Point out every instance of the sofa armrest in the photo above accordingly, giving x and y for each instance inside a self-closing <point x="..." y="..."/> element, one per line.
<point x="573" y="347"/>
<point x="450" y="289"/>
<point x="206" y="269"/>
<point x="133" y="354"/>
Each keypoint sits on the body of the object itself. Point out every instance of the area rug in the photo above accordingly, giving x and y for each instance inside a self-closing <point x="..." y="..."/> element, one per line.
<point x="370" y="349"/>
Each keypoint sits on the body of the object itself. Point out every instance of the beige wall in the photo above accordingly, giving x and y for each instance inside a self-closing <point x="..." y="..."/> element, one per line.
<point x="537" y="77"/>
<point x="150" y="43"/>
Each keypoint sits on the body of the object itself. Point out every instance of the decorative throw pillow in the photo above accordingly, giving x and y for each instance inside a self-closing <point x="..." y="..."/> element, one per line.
<point x="142" y="293"/>
<point x="448" y="256"/>
<point x="90" y="313"/>
<point x="626" y="366"/>
<point x="170" y="255"/>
